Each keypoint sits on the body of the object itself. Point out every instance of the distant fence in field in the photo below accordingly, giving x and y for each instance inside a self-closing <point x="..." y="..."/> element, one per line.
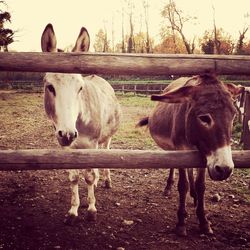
<point x="140" y="88"/>
<point x="136" y="89"/>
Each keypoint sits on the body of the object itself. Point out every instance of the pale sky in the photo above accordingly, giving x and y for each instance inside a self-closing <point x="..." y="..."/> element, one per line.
<point x="30" y="17"/>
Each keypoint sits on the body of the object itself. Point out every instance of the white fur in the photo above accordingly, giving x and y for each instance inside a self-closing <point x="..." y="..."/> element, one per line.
<point x="75" y="200"/>
<point x="69" y="103"/>
<point x="67" y="100"/>
<point x="222" y="157"/>
<point x="87" y="104"/>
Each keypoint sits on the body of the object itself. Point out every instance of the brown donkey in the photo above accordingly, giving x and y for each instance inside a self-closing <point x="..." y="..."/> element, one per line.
<point x="85" y="114"/>
<point x="196" y="113"/>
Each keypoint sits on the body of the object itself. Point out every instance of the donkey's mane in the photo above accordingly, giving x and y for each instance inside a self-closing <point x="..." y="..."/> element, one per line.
<point x="208" y="79"/>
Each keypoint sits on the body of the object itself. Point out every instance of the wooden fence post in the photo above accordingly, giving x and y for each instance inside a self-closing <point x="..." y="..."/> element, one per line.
<point x="123" y="89"/>
<point x="147" y="92"/>
<point x="246" y="120"/>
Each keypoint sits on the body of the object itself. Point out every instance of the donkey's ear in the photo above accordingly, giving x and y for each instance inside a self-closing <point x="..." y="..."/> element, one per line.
<point x="82" y="42"/>
<point x="234" y="90"/>
<point x="177" y="96"/>
<point x="48" y="39"/>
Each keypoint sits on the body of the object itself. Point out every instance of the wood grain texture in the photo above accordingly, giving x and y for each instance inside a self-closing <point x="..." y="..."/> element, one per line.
<point x="138" y="64"/>
<point x="44" y="159"/>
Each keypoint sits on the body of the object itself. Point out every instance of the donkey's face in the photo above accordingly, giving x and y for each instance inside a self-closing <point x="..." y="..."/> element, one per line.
<point x="62" y="99"/>
<point x="209" y="126"/>
<point x="62" y="92"/>
<point x="208" y="122"/>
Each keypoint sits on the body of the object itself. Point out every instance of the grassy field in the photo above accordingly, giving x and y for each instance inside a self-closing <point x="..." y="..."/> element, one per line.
<point x="128" y="137"/>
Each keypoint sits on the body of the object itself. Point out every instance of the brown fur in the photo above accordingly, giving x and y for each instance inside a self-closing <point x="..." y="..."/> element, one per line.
<point x="193" y="113"/>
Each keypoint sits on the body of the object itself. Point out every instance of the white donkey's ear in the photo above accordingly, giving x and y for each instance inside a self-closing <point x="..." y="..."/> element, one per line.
<point x="48" y="39"/>
<point x="82" y="42"/>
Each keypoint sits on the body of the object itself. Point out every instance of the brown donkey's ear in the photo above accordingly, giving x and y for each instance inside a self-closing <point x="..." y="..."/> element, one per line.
<point x="48" y="39"/>
<point x="180" y="95"/>
<point x="234" y="89"/>
<point x="82" y="42"/>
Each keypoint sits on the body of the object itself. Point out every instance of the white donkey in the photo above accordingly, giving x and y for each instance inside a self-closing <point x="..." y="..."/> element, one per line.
<point x="85" y="114"/>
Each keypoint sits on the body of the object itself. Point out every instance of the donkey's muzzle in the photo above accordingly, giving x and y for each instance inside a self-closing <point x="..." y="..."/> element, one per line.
<point x="220" y="173"/>
<point x="66" y="138"/>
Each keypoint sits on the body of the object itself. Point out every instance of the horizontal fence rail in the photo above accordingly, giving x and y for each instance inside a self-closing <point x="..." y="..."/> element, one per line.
<point x="45" y="159"/>
<point x="138" y="64"/>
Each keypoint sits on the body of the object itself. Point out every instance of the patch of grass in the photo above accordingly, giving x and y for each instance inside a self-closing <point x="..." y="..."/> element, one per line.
<point x="130" y="137"/>
<point x="131" y="100"/>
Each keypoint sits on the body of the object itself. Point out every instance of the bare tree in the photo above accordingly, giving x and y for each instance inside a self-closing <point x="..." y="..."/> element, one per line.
<point x="240" y="42"/>
<point x="6" y="35"/>
<point x="217" y="42"/>
<point x="131" y="42"/>
<point x="113" y="35"/>
<point x="146" y="6"/>
<point x="176" y="20"/>
<point x="105" y="42"/>
<point x="123" y="35"/>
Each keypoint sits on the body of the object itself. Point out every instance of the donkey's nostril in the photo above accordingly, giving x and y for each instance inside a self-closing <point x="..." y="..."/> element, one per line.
<point x="65" y="137"/>
<point x="219" y="169"/>
<point x="223" y="172"/>
<point x="60" y="133"/>
<point x="72" y="135"/>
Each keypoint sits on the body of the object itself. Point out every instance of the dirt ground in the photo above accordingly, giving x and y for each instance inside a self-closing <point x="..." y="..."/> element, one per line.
<point x="134" y="214"/>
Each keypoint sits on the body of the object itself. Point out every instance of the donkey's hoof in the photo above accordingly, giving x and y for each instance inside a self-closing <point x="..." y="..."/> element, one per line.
<point x="181" y="230"/>
<point x="70" y="219"/>
<point x="206" y="229"/>
<point x="91" y="216"/>
<point x="107" y="184"/>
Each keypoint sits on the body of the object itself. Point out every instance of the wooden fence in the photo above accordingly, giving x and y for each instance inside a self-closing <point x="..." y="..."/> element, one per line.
<point x="130" y="64"/>
<point x="87" y="63"/>
<point x="44" y="159"/>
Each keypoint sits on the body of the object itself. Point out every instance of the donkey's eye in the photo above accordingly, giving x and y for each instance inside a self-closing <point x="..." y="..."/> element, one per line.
<point x="206" y="120"/>
<point x="51" y="89"/>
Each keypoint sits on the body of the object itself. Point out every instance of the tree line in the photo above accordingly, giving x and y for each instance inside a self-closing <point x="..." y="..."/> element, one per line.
<point x="173" y="38"/>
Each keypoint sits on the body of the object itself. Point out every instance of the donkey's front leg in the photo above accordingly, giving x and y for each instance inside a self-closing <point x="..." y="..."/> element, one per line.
<point x="75" y="200"/>
<point x="192" y="186"/>
<point x="106" y="171"/>
<point x="107" y="178"/>
<point x="182" y="214"/>
<point x="91" y="177"/>
<point x="200" y="211"/>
